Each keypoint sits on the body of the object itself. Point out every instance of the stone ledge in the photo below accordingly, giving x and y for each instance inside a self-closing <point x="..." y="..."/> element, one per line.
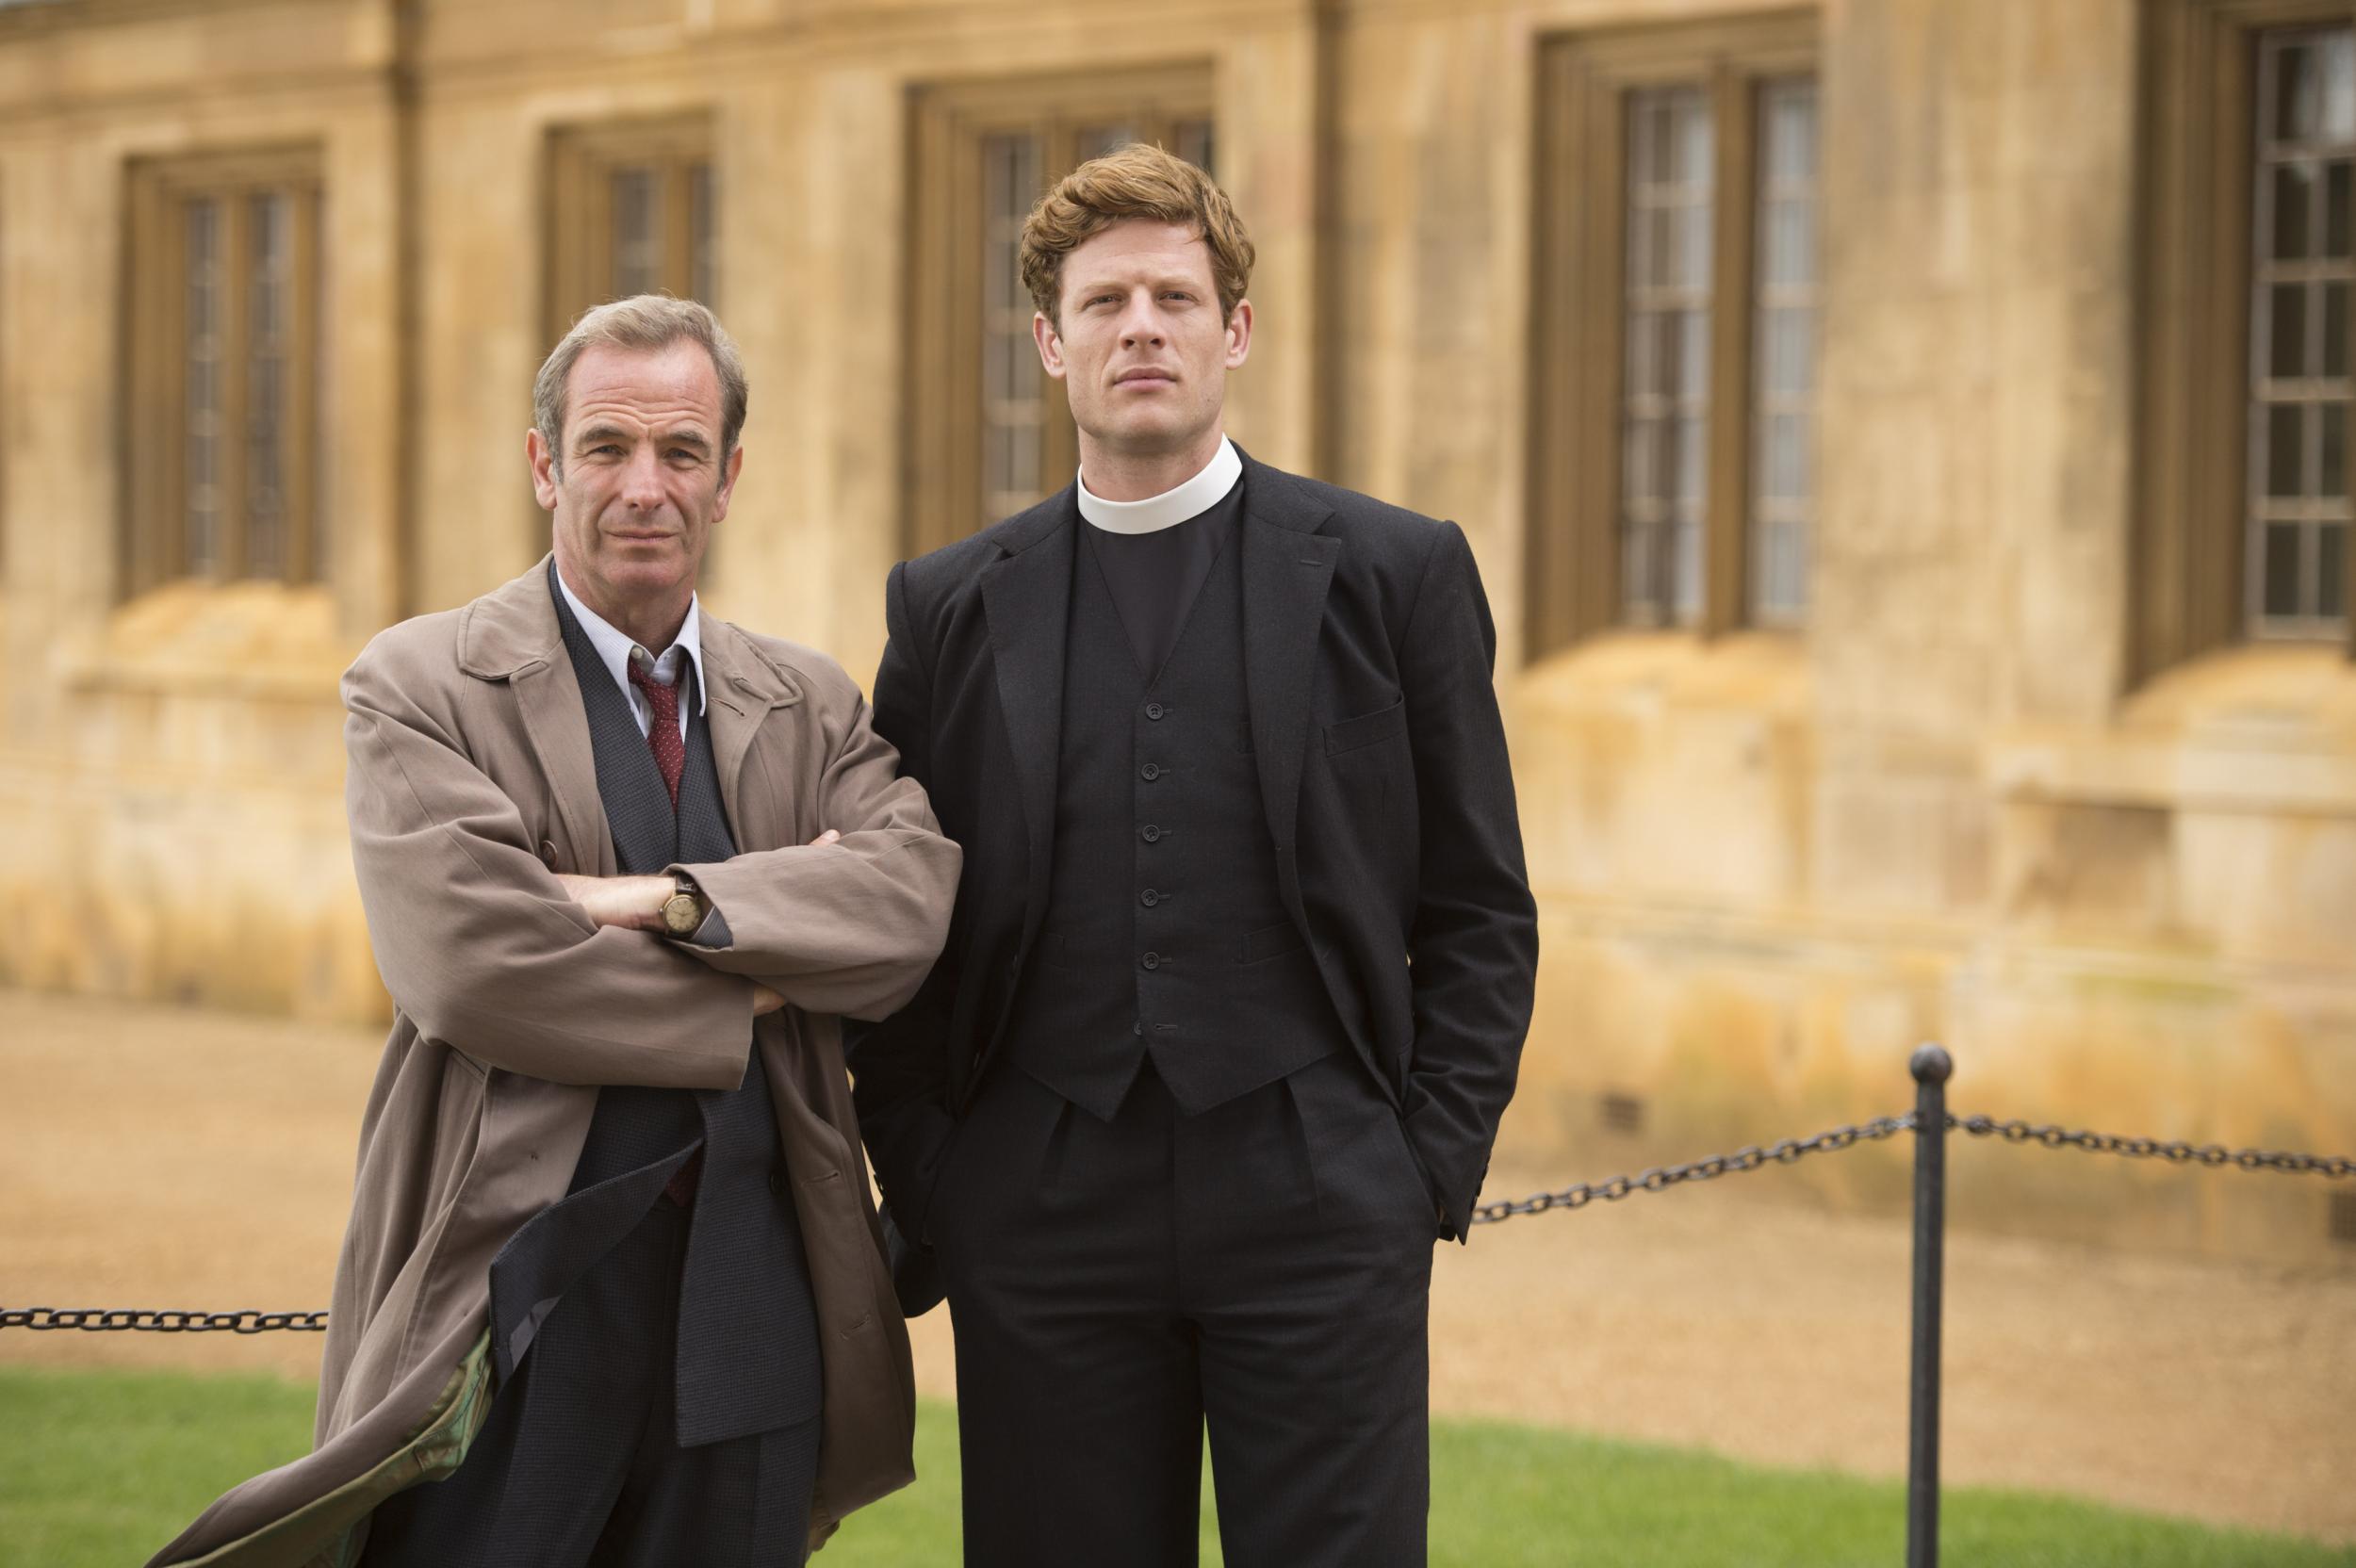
<point x="2253" y="730"/>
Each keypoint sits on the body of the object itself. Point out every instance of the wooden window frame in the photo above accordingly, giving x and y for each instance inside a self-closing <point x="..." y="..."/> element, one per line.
<point x="1578" y="302"/>
<point x="579" y="216"/>
<point x="942" y="463"/>
<point x="153" y="533"/>
<point x="2189" y="543"/>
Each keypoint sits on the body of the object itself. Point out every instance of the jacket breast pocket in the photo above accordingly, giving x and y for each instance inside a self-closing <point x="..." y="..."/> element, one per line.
<point x="1366" y="729"/>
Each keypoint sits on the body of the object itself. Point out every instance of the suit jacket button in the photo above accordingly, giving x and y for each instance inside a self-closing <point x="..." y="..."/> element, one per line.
<point x="1152" y="961"/>
<point x="1149" y="897"/>
<point x="1150" y="833"/>
<point x="1154" y="709"/>
<point x="547" y="854"/>
<point x="1151" y="771"/>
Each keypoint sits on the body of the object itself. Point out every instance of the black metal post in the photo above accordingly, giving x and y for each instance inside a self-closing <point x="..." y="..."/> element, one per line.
<point x="1931" y="1066"/>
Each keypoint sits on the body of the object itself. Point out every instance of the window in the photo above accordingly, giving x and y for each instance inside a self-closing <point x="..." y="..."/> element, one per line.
<point x="991" y="433"/>
<point x="1675" y="331"/>
<point x="2242" y="518"/>
<point x="2305" y="136"/>
<point x="632" y="211"/>
<point x="223" y="442"/>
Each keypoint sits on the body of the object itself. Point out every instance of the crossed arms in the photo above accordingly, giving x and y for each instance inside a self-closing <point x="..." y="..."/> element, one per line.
<point x="485" y="949"/>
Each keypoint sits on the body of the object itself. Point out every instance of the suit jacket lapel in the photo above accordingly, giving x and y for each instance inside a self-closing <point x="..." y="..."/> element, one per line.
<point x="1027" y="597"/>
<point x="1288" y="569"/>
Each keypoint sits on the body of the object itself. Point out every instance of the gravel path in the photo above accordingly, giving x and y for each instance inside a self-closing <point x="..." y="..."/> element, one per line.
<point x="154" y="1157"/>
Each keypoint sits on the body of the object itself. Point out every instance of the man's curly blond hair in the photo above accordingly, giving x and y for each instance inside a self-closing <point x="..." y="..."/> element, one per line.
<point x="1136" y="181"/>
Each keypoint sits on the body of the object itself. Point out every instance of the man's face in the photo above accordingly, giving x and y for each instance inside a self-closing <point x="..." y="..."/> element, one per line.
<point x="642" y="480"/>
<point x="1142" y="350"/>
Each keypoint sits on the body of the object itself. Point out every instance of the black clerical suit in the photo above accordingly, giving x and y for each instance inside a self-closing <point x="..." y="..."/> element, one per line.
<point x="1234" y="997"/>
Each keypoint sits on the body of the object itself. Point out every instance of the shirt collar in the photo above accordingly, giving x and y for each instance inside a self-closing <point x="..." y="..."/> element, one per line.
<point x="1172" y="507"/>
<point x="614" y="647"/>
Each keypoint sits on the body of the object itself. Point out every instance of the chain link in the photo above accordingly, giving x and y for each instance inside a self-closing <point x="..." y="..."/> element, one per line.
<point x="2332" y="1167"/>
<point x="1576" y="1196"/>
<point x="1662" y="1178"/>
<point x="1792" y="1151"/>
<point x="115" y="1320"/>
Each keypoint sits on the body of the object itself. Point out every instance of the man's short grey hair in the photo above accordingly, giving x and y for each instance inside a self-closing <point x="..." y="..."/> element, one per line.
<point x="647" y="322"/>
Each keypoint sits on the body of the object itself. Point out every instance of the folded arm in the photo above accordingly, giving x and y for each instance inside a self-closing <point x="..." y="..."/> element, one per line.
<point x="851" y="923"/>
<point x="482" y="947"/>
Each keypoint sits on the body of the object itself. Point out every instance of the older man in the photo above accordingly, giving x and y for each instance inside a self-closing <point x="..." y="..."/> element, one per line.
<point x="611" y="1290"/>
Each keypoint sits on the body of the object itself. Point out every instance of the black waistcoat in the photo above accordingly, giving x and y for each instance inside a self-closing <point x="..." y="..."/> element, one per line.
<point x="747" y="1347"/>
<point x="1164" y="932"/>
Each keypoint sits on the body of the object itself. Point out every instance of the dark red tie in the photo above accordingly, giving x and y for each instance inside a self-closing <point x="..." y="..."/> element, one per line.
<point x="670" y="753"/>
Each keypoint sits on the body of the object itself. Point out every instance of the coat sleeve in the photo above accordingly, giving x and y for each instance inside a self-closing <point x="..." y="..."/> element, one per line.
<point x="850" y="928"/>
<point x="1474" y="942"/>
<point x="476" y="940"/>
<point x="900" y="1066"/>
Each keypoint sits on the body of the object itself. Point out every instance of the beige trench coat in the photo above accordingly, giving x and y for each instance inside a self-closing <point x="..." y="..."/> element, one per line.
<point x="471" y="782"/>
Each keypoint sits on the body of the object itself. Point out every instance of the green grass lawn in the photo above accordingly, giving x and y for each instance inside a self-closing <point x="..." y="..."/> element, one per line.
<point x="99" y="1468"/>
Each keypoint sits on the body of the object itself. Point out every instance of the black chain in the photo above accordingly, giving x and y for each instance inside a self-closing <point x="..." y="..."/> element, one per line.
<point x="2330" y="1165"/>
<point x="1576" y="1196"/>
<point x="98" y="1320"/>
<point x="1792" y="1151"/>
<point x="1662" y="1178"/>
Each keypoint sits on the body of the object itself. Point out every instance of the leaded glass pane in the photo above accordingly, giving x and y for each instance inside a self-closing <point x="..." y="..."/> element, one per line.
<point x="2301" y="391"/>
<point x="270" y="291"/>
<point x="703" y="247"/>
<point x="1666" y="408"/>
<point x="1784" y="372"/>
<point x="202" y="439"/>
<point x="1014" y="402"/>
<point x="637" y="231"/>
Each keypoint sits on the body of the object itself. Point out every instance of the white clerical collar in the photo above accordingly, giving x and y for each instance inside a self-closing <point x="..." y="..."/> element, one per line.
<point x="1172" y="507"/>
<point x="615" y="646"/>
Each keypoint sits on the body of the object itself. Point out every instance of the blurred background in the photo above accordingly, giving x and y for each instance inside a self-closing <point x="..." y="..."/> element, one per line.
<point x="1906" y="444"/>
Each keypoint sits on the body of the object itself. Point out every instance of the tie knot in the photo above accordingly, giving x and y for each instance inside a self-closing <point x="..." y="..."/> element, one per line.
<point x="662" y="696"/>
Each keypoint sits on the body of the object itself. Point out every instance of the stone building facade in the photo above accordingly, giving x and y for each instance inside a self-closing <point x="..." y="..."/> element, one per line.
<point x="1904" y="441"/>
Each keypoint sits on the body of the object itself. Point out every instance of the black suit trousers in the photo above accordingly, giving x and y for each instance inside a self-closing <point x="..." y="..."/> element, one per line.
<point x="578" y="1464"/>
<point x="1262" y="1269"/>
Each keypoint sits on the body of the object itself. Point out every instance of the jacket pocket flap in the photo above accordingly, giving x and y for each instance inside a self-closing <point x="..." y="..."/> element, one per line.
<point x="1366" y="729"/>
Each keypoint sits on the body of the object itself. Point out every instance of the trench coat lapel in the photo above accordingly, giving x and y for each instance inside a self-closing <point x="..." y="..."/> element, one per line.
<point x="743" y="689"/>
<point x="1027" y="598"/>
<point x="512" y="634"/>
<point x="1288" y="569"/>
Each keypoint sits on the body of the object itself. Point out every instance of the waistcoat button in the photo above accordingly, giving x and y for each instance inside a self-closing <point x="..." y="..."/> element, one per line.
<point x="1153" y="960"/>
<point x="1151" y="771"/>
<point x="1150" y="833"/>
<point x="1148" y="898"/>
<point x="1154" y="709"/>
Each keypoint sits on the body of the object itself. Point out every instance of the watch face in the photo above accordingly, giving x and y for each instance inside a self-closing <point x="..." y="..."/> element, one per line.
<point x="678" y="914"/>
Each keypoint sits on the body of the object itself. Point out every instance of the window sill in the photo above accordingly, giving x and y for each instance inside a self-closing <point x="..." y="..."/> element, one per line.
<point x="2256" y="728"/>
<point x="1750" y="671"/>
<point x="261" y="640"/>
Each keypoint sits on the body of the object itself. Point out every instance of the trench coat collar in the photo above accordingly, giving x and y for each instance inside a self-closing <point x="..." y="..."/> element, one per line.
<point x="512" y="634"/>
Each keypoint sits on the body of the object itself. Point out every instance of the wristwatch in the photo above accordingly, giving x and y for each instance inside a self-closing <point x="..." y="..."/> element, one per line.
<point x="683" y="911"/>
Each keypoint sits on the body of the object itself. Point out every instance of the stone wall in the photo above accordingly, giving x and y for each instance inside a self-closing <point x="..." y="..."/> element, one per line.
<point x="1767" y="865"/>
